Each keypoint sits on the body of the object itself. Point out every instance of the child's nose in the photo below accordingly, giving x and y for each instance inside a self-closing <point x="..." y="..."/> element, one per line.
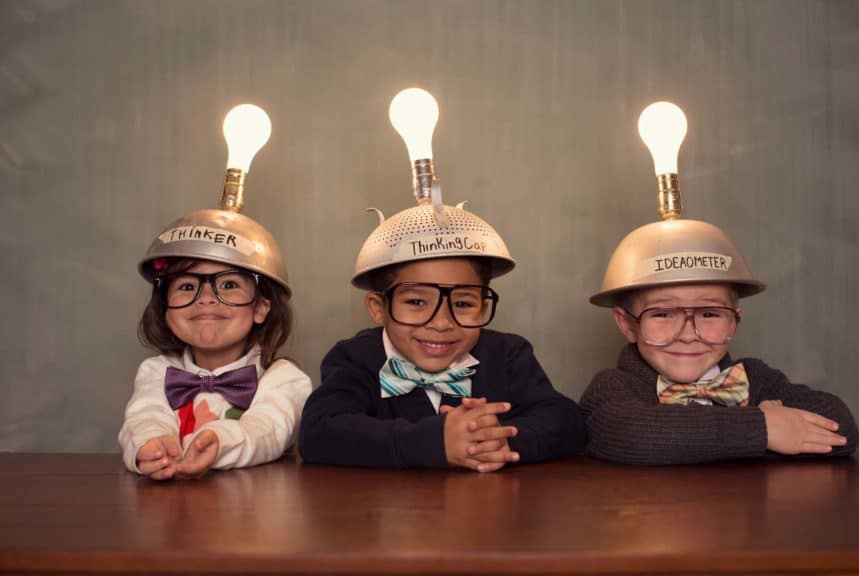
<point x="442" y="319"/>
<point x="207" y="294"/>
<point x="687" y="333"/>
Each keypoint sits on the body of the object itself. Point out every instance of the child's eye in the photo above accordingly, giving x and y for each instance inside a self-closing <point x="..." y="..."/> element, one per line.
<point x="185" y="287"/>
<point x="415" y="302"/>
<point x="465" y="304"/>
<point x="712" y="314"/>
<point x="229" y="285"/>
<point x="661" y="314"/>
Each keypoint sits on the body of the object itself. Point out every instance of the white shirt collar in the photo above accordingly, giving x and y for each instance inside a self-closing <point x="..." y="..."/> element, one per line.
<point x="709" y="374"/>
<point x="252" y="357"/>
<point x="464" y="361"/>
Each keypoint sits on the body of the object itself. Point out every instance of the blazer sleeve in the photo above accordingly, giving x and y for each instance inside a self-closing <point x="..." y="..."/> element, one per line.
<point x="340" y="426"/>
<point x="625" y="427"/>
<point x="268" y="427"/>
<point x="147" y="414"/>
<point x="549" y="424"/>
<point x="776" y="386"/>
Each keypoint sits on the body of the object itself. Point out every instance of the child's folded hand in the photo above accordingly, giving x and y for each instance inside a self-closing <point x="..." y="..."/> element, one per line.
<point x="795" y="431"/>
<point x="492" y="454"/>
<point x="157" y="457"/>
<point x="474" y="438"/>
<point x="200" y="455"/>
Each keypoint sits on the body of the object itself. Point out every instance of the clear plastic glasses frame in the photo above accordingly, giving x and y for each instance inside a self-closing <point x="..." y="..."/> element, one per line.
<point x="662" y="326"/>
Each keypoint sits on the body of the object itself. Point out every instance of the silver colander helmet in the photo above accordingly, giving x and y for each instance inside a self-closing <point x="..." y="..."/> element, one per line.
<point x="674" y="252"/>
<point x="430" y="229"/>
<point x="420" y="233"/>
<point x="222" y="236"/>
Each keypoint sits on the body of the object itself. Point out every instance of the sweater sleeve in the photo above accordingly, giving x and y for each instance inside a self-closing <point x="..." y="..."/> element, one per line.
<point x="775" y="386"/>
<point x="268" y="427"/>
<point x="550" y="425"/>
<point x="626" y="427"/>
<point x="147" y="414"/>
<point x="339" y="425"/>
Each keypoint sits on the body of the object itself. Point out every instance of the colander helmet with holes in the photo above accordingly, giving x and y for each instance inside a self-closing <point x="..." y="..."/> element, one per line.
<point x="430" y="231"/>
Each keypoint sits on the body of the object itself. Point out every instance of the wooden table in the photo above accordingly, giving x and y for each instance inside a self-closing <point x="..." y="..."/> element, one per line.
<point x="85" y="514"/>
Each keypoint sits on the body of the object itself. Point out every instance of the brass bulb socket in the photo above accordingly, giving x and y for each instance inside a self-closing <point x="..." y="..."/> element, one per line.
<point x="670" y="205"/>
<point x="423" y="175"/>
<point x="233" y="193"/>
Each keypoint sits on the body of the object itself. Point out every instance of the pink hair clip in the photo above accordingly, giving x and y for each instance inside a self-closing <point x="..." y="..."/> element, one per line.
<point x="160" y="264"/>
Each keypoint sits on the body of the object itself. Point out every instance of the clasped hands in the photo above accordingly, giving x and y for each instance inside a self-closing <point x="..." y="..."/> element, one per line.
<point x="161" y="458"/>
<point x="473" y="436"/>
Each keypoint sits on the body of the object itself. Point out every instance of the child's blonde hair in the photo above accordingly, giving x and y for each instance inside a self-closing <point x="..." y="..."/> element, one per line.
<point x="628" y="299"/>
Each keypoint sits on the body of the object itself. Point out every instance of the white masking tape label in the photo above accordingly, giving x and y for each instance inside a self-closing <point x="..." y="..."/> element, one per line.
<point x="683" y="261"/>
<point x="441" y="244"/>
<point x="206" y="234"/>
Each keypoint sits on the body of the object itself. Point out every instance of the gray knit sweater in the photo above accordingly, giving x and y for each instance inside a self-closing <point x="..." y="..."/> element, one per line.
<point x="626" y="422"/>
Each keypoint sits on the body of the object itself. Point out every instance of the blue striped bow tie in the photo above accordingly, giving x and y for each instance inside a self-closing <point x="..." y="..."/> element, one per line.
<point x="398" y="377"/>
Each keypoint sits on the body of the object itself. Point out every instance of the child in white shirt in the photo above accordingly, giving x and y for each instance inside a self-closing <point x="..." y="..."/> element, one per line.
<point x="215" y="397"/>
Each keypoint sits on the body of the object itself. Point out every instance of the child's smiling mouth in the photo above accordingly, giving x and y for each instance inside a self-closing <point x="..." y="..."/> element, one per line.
<point x="435" y="348"/>
<point x="207" y="316"/>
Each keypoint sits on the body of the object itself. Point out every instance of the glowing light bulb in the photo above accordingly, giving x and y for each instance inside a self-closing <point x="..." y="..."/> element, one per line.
<point x="662" y="126"/>
<point x="246" y="129"/>
<point x="414" y="113"/>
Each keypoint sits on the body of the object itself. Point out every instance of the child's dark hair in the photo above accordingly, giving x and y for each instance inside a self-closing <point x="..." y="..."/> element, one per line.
<point x="153" y="331"/>
<point x="382" y="278"/>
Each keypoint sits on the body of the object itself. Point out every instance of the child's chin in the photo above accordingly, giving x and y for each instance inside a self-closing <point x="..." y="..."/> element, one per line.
<point x="433" y="367"/>
<point x="685" y="376"/>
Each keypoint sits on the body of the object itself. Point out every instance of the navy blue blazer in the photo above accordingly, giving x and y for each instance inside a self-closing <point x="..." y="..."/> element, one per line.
<point x="346" y="421"/>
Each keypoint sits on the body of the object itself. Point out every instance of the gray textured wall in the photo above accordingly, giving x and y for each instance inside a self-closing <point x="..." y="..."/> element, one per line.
<point x="110" y="128"/>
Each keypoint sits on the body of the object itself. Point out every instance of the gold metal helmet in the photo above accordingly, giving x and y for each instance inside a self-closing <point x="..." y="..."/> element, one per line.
<point x="673" y="251"/>
<point x="225" y="235"/>
<point x="430" y="229"/>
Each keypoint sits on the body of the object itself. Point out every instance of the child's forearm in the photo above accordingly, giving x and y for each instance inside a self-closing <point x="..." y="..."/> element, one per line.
<point x="357" y="439"/>
<point x="269" y="426"/>
<point x="632" y="432"/>
<point x="147" y="414"/>
<point x="551" y="428"/>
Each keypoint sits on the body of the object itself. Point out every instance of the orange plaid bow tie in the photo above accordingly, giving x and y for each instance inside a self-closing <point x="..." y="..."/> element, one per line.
<point x="729" y="388"/>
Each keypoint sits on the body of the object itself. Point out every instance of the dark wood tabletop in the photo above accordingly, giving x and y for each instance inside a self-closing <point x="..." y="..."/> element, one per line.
<point x="83" y="513"/>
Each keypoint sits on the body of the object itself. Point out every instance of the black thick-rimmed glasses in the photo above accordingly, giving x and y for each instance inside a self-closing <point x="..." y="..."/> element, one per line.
<point x="662" y="326"/>
<point x="417" y="303"/>
<point x="231" y="287"/>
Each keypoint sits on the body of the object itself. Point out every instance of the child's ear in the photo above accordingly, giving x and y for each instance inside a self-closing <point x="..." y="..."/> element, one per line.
<point x="375" y="304"/>
<point x="261" y="310"/>
<point x="624" y="324"/>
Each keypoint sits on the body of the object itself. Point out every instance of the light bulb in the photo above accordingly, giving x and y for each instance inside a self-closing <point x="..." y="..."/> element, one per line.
<point x="414" y="113"/>
<point x="662" y="126"/>
<point x="246" y="130"/>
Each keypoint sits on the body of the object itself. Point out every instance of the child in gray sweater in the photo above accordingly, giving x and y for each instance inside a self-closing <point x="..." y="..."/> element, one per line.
<point x="676" y="395"/>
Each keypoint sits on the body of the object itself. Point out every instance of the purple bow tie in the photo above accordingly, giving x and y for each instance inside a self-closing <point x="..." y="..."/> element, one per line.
<point x="236" y="386"/>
